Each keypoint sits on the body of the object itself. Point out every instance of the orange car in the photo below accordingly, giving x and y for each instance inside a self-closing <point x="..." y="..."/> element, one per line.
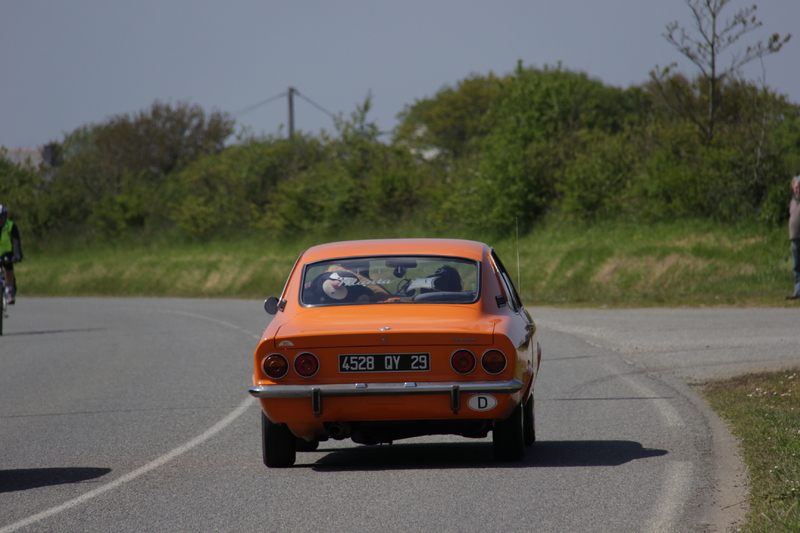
<point x="380" y="340"/>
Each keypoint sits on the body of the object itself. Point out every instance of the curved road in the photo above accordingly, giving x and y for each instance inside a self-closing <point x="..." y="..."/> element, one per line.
<point x="133" y="415"/>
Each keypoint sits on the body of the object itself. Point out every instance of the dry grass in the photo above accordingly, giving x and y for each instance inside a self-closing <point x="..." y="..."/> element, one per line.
<point x="601" y="265"/>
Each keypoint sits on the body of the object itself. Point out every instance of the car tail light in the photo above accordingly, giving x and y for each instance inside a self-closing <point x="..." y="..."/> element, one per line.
<point x="306" y="364"/>
<point x="493" y="361"/>
<point x="275" y="366"/>
<point x="463" y="361"/>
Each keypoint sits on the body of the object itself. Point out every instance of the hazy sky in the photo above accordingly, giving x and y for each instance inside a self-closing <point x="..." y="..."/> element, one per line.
<point x="68" y="63"/>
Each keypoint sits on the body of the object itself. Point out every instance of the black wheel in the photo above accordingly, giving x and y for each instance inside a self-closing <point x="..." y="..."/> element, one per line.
<point x="303" y="445"/>
<point x="529" y="422"/>
<point x="508" y="441"/>
<point x="277" y="444"/>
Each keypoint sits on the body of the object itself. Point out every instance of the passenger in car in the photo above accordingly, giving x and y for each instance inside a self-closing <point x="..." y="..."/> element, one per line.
<point x="336" y="287"/>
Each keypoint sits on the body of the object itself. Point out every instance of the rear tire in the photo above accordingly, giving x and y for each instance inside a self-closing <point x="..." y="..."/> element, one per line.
<point x="508" y="442"/>
<point x="277" y="444"/>
<point x="529" y="422"/>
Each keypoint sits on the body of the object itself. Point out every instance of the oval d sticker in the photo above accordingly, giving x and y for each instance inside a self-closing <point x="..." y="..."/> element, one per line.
<point x="482" y="402"/>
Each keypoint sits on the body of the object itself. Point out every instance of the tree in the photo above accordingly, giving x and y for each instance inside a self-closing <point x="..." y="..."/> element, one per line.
<point x="704" y="49"/>
<point x="115" y="173"/>
<point x="20" y="192"/>
<point x="161" y="139"/>
<point x="535" y="138"/>
<point x="357" y="182"/>
<point x="453" y="119"/>
<point x="232" y="189"/>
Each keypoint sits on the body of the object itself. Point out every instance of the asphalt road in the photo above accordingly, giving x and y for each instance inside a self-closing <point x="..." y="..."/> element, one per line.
<point x="133" y="415"/>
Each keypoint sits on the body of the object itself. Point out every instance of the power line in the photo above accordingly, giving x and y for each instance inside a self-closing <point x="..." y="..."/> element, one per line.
<point x="282" y="95"/>
<point x="307" y="99"/>
<point x="288" y="93"/>
<point x="259" y="104"/>
<point x="334" y="117"/>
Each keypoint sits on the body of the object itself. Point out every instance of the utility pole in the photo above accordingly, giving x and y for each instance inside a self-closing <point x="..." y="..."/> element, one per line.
<point x="291" y="113"/>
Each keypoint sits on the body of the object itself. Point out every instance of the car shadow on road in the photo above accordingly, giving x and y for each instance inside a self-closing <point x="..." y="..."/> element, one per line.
<point x="477" y="455"/>
<point x="52" y="332"/>
<point x="32" y="478"/>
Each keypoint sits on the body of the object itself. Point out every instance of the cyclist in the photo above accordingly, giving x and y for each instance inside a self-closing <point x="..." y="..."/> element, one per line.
<point x="10" y="252"/>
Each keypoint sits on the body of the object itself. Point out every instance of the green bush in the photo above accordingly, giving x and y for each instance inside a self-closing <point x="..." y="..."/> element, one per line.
<point x="596" y="183"/>
<point x="21" y="190"/>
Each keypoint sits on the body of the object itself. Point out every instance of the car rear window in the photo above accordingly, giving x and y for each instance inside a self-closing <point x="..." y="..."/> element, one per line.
<point x="391" y="279"/>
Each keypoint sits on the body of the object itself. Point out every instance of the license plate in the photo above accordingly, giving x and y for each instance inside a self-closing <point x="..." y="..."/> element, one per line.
<point x="396" y="362"/>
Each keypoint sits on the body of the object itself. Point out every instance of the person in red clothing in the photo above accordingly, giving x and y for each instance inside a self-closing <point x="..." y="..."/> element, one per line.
<point x="10" y="252"/>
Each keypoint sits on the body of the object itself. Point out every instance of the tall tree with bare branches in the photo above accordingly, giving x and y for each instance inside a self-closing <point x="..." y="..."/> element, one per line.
<point x="705" y="45"/>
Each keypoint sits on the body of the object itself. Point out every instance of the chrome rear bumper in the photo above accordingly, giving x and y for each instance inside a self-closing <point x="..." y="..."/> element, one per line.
<point x="453" y="388"/>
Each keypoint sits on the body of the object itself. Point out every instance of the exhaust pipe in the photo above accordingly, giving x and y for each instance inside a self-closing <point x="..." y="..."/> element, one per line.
<point x="338" y="430"/>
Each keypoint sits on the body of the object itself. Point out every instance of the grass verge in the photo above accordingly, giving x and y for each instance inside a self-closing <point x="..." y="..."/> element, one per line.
<point x="604" y="264"/>
<point x="763" y="412"/>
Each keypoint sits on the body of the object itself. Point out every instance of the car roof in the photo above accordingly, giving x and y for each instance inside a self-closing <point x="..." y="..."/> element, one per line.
<point x="440" y="247"/>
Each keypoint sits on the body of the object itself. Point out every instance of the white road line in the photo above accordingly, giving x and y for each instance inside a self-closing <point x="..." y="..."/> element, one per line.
<point x="213" y="430"/>
<point x="667" y="411"/>
<point x="180" y="450"/>
<point x="679" y="479"/>
<point x="677" y="485"/>
<point x="222" y="322"/>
